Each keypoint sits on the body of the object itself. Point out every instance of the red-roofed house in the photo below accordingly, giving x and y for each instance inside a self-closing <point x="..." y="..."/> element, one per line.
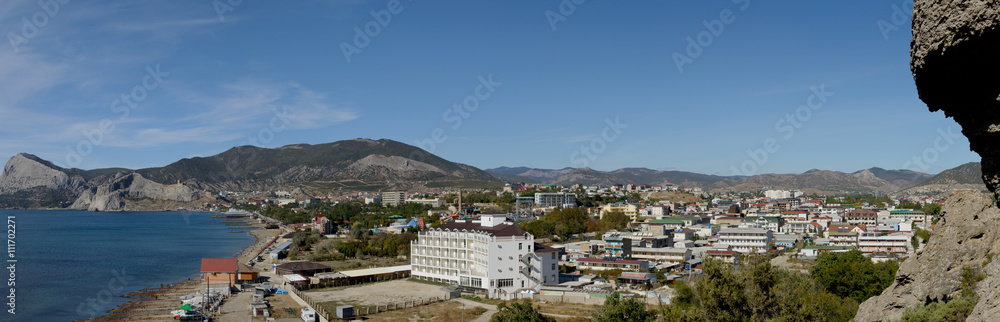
<point x="220" y="270"/>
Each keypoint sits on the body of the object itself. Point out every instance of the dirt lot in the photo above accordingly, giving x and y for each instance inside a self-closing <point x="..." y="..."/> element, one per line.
<point x="444" y="311"/>
<point x="394" y="292"/>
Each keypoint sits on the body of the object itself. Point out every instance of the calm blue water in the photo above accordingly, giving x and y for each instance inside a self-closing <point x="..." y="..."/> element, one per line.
<point x="74" y="265"/>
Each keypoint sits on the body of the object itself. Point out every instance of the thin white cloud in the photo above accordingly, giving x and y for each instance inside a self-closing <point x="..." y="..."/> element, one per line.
<point x="238" y="110"/>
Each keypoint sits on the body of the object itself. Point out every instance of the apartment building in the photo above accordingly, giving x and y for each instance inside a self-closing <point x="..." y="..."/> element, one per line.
<point x="433" y="202"/>
<point x="630" y="209"/>
<point x="491" y="255"/>
<point x="772" y="223"/>
<point x="875" y="245"/>
<point x="604" y="264"/>
<point x="843" y="237"/>
<point x="746" y="240"/>
<point x="393" y="198"/>
<point x="555" y="199"/>
<point x="667" y="256"/>
<point x="907" y="214"/>
<point x="617" y="245"/>
<point x="866" y="217"/>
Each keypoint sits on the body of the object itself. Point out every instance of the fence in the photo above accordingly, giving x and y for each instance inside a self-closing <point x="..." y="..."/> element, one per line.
<point x="367" y="310"/>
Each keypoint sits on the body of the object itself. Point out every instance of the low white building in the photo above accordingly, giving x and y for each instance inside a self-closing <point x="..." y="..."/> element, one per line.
<point x="746" y="240"/>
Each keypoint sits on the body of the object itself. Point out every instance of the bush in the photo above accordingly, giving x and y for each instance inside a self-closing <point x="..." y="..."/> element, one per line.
<point x="954" y="310"/>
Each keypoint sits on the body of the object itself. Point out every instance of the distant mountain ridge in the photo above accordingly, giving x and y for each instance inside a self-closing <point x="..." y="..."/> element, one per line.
<point x="966" y="176"/>
<point x="362" y="164"/>
<point x="873" y="179"/>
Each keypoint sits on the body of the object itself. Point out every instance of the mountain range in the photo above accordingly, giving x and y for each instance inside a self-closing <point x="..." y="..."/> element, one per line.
<point x="867" y="180"/>
<point x="28" y="181"/>
<point x="355" y="165"/>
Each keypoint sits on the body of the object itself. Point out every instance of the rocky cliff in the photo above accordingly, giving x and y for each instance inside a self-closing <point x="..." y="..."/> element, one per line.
<point x="116" y="194"/>
<point x="954" y="62"/>
<point x="25" y="171"/>
<point x="968" y="235"/>
<point x="954" y="49"/>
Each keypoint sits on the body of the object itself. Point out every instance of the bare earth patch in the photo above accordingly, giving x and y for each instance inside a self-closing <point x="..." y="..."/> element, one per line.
<point x="391" y="293"/>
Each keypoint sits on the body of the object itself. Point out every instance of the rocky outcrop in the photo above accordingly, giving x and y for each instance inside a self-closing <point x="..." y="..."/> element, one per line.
<point x="25" y="171"/>
<point x="968" y="235"/>
<point x="117" y="194"/>
<point x="954" y="62"/>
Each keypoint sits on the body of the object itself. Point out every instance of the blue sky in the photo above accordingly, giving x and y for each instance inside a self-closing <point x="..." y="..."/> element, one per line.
<point x="204" y="76"/>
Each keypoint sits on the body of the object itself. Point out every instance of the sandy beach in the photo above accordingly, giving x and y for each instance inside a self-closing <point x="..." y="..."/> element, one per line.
<point x="155" y="304"/>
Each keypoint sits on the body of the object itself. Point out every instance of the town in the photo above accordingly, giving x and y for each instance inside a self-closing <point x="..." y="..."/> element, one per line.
<point x="371" y="254"/>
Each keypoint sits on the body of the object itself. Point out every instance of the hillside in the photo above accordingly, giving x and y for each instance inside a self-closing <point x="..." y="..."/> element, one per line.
<point x="966" y="176"/>
<point x="362" y="164"/>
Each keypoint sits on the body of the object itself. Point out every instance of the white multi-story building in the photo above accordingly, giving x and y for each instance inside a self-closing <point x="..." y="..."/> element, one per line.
<point x="746" y="240"/>
<point x="555" y="199"/>
<point x="874" y="244"/>
<point x="433" y="202"/>
<point x="393" y="198"/>
<point x="782" y="194"/>
<point x="490" y="255"/>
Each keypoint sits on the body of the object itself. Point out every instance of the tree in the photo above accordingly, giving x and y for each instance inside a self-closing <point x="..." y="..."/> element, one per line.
<point x="755" y="291"/>
<point x="851" y="274"/>
<point x="518" y="311"/>
<point x="614" y="220"/>
<point x="623" y="309"/>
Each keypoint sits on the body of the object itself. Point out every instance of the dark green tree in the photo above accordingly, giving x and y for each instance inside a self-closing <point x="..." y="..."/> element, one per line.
<point x="623" y="309"/>
<point x="614" y="220"/>
<point x="851" y="274"/>
<point x="519" y="311"/>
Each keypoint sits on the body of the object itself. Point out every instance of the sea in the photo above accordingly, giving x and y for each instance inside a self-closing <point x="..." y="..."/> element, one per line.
<point x="73" y="265"/>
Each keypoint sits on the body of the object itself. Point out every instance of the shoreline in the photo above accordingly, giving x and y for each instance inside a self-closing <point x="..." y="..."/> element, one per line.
<point x="155" y="304"/>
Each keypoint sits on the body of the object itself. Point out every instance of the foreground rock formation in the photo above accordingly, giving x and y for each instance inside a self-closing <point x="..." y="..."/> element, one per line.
<point x="954" y="62"/>
<point x="968" y="235"/>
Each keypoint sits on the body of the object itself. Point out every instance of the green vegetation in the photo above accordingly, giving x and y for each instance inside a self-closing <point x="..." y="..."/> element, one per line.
<point x="561" y="222"/>
<point x="381" y="245"/>
<point x="857" y="199"/>
<point x="614" y="220"/>
<point x="624" y="309"/>
<point x="519" y="311"/>
<point x="851" y="274"/>
<point x="367" y="215"/>
<point x="755" y="291"/>
<point x="957" y="309"/>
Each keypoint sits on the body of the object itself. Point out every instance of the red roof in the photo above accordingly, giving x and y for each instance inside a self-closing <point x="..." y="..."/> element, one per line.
<point x="218" y="265"/>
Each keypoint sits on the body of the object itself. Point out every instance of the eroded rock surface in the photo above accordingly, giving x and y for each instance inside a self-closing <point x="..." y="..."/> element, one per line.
<point x="968" y="235"/>
<point x="954" y="58"/>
